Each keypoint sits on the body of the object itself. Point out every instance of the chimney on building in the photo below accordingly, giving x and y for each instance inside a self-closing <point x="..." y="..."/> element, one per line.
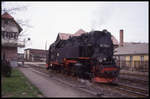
<point x="121" y="37"/>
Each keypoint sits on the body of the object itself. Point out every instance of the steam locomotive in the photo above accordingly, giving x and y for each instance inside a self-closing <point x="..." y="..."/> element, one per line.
<point x="88" y="56"/>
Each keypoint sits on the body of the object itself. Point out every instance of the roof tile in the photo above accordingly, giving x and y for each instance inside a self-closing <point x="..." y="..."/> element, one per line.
<point x="65" y="36"/>
<point x="132" y="48"/>
<point x="7" y="16"/>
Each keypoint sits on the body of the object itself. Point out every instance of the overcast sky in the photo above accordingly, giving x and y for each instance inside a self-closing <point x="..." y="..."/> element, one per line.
<point x="49" y="18"/>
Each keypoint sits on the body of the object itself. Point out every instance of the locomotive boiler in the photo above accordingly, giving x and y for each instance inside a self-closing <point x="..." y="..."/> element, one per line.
<point x="88" y="56"/>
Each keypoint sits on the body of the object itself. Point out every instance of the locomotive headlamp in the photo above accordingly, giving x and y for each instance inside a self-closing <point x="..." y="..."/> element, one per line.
<point x="101" y="45"/>
<point x="100" y="60"/>
<point x="104" y="59"/>
<point x="51" y="65"/>
<point x="57" y="54"/>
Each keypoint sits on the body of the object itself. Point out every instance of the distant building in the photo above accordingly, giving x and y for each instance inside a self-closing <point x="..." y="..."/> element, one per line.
<point x="132" y="52"/>
<point x="9" y="37"/>
<point x="133" y="55"/>
<point x="65" y="36"/>
<point x="35" y="54"/>
<point x="20" y="56"/>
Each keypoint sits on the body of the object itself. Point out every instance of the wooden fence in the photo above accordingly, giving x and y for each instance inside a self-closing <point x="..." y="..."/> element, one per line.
<point x="134" y="65"/>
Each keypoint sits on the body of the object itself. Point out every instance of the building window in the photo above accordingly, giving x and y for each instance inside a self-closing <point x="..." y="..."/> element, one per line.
<point x="7" y="35"/>
<point x="142" y="58"/>
<point x="11" y="35"/>
<point x="3" y="34"/>
<point x="131" y="58"/>
<point x="15" y="35"/>
<point x="6" y="21"/>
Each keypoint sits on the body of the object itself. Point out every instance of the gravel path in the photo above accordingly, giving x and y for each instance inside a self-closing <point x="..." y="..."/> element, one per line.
<point x="50" y="87"/>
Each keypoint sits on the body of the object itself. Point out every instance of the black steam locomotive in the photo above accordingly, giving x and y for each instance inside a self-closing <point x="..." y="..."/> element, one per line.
<point x="88" y="56"/>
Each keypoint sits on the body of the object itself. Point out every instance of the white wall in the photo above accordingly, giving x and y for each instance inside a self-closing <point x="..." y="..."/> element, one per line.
<point x="10" y="27"/>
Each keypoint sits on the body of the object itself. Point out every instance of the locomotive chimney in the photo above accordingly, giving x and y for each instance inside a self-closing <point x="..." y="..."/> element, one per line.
<point x="121" y="37"/>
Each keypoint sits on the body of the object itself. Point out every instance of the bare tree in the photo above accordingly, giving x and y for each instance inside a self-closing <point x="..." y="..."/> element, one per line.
<point x="13" y="10"/>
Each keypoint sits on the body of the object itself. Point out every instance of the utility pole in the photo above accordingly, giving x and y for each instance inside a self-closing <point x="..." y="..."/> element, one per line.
<point x="46" y="45"/>
<point x="46" y="49"/>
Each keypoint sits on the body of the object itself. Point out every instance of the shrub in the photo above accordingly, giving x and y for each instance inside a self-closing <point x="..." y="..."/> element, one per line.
<point x="6" y="68"/>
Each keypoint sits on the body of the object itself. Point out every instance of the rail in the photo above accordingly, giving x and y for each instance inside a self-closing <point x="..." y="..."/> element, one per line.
<point x="122" y="88"/>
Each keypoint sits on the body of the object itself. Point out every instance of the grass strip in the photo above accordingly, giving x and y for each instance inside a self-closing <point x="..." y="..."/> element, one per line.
<point x="18" y="86"/>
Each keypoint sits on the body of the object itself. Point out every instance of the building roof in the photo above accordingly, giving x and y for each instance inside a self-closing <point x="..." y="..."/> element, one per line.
<point x="115" y="41"/>
<point x="8" y="16"/>
<point x="65" y="36"/>
<point x="79" y="32"/>
<point x="132" y="48"/>
<point x="35" y="49"/>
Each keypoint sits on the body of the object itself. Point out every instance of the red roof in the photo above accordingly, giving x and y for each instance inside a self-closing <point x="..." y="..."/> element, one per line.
<point x="65" y="36"/>
<point x="115" y="41"/>
<point x="79" y="32"/>
<point x="7" y="16"/>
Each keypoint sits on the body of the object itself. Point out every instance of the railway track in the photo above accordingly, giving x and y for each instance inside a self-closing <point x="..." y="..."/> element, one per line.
<point x="133" y="90"/>
<point x="124" y="89"/>
<point x="134" y="85"/>
<point x="45" y="74"/>
<point x="135" y="79"/>
<point x="75" y="83"/>
<point x="128" y="88"/>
